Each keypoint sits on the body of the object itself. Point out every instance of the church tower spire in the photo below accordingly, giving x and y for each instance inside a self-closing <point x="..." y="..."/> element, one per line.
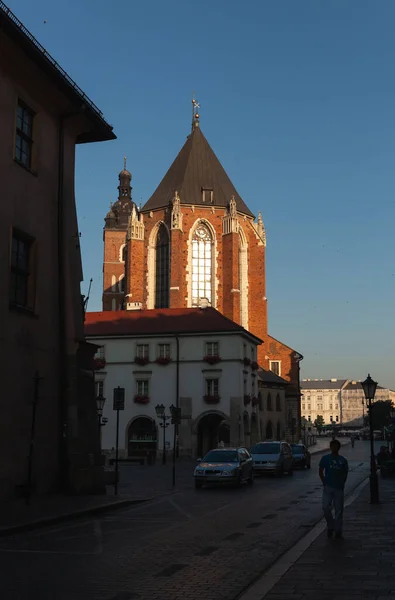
<point x="115" y="229"/>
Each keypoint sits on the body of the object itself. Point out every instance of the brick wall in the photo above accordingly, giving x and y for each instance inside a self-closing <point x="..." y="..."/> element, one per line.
<point x="112" y="266"/>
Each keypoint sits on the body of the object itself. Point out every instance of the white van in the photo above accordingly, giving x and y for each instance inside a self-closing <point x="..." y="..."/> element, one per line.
<point x="272" y="457"/>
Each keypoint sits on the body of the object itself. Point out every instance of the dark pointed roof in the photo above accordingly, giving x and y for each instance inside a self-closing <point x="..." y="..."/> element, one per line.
<point x="196" y="168"/>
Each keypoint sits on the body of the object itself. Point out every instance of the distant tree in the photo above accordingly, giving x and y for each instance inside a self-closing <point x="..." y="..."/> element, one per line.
<point x="381" y="413"/>
<point x="319" y="423"/>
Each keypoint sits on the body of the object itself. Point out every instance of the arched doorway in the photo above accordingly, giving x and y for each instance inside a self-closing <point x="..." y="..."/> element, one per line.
<point x="269" y="431"/>
<point x="212" y="429"/>
<point x="142" y="437"/>
<point x="279" y="431"/>
<point x="254" y="429"/>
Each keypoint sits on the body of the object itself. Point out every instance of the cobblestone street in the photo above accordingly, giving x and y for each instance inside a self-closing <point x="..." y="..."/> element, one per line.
<point x="207" y="544"/>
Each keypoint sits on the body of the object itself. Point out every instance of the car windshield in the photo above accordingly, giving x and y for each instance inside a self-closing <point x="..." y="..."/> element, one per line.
<point x="266" y="449"/>
<point x="221" y="456"/>
<point x="296" y="449"/>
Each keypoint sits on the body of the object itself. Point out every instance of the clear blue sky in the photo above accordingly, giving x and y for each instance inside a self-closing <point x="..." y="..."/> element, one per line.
<point x="298" y="102"/>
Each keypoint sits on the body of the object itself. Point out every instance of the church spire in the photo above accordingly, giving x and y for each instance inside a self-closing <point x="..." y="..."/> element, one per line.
<point x="125" y="177"/>
<point x="195" y="113"/>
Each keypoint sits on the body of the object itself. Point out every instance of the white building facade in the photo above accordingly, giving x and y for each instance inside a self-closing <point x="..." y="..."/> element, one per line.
<point x="322" y="397"/>
<point x="196" y="359"/>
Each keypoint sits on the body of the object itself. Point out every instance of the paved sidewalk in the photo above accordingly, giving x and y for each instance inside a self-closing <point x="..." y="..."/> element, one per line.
<point x="360" y="566"/>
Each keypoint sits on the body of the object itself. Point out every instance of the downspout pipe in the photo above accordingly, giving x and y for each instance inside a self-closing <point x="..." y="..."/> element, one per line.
<point x="175" y="439"/>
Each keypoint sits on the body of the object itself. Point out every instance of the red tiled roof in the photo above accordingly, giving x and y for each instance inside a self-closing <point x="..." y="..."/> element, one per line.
<point x="160" y="321"/>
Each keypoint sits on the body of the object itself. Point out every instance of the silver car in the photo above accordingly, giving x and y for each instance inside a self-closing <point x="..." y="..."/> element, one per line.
<point x="224" y="465"/>
<point x="272" y="457"/>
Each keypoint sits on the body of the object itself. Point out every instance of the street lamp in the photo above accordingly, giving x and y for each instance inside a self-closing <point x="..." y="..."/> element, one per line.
<point x="369" y="387"/>
<point x="100" y="401"/>
<point x="160" y="410"/>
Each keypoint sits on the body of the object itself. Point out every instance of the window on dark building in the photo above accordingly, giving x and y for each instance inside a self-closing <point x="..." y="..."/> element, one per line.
<point x="21" y="286"/>
<point x="207" y="196"/>
<point x="24" y="135"/>
<point x="212" y="387"/>
<point x="269" y="402"/>
<point x="162" y="276"/>
<point x="278" y="403"/>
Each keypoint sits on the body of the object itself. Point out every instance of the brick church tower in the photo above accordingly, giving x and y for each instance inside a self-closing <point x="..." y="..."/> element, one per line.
<point x="114" y="237"/>
<point x="194" y="241"/>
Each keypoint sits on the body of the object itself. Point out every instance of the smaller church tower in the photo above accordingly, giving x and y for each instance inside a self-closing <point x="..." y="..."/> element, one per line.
<point x="115" y="249"/>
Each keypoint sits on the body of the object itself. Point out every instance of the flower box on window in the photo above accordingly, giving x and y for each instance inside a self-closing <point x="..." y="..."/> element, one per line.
<point x="246" y="361"/>
<point x="212" y="359"/>
<point x="99" y="363"/>
<point x="254" y="365"/>
<point x="255" y="401"/>
<point x="141" y="360"/>
<point x="247" y="399"/>
<point x="163" y="360"/>
<point x="212" y="398"/>
<point x="141" y="399"/>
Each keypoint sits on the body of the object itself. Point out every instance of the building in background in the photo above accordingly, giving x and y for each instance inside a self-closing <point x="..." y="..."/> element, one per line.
<point x="211" y="360"/>
<point x="195" y="240"/>
<point x="339" y="401"/>
<point x="47" y="391"/>
<point x="354" y="403"/>
<point x="322" y="397"/>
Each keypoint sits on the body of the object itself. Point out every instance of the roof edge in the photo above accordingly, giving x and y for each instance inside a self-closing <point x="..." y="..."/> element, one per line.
<point x="37" y="53"/>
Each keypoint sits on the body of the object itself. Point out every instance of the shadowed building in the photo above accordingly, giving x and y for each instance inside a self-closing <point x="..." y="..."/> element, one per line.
<point x="47" y="398"/>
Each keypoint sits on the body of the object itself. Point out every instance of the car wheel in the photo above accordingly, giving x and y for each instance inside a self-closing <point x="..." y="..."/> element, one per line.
<point x="198" y="485"/>
<point x="309" y="465"/>
<point x="239" y="480"/>
<point x="250" y="481"/>
<point x="280" y="471"/>
<point x="290" y="472"/>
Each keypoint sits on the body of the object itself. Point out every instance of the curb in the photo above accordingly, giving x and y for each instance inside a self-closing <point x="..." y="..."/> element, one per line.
<point x="93" y="510"/>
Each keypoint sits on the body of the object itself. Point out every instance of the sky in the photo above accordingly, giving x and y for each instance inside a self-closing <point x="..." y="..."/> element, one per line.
<point x="297" y="99"/>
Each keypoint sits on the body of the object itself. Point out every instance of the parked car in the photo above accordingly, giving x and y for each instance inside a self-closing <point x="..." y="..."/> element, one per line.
<point x="272" y="457"/>
<point x="301" y="457"/>
<point x="224" y="466"/>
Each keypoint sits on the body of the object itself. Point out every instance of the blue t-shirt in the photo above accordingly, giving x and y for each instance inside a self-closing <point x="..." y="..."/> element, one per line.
<point x="335" y="470"/>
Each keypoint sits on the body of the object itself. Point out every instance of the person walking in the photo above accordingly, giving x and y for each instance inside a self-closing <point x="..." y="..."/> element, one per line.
<point x="333" y="472"/>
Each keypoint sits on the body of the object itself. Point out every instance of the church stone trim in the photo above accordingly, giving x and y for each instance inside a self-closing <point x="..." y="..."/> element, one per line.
<point x="135" y="226"/>
<point x="230" y="223"/>
<point x="151" y="263"/>
<point x="176" y="214"/>
<point x="243" y="277"/>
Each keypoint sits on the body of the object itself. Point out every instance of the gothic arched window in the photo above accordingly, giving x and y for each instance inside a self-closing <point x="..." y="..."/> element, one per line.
<point x="202" y="243"/>
<point x="162" y="276"/>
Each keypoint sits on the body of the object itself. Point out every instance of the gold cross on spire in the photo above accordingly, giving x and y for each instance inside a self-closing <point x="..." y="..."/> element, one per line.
<point x="124" y="162"/>
<point x="195" y="112"/>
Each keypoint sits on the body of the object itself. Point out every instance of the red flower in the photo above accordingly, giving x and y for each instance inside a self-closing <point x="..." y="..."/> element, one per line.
<point x="255" y="401"/>
<point x="140" y="360"/>
<point x="212" y="359"/>
<point x="212" y="399"/>
<point x="141" y="399"/>
<point x="163" y="360"/>
<point x="99" y="363"/>
<point x="246" y="361"/>
<point x="247" y="399"/>
<point x="254" y="365"/>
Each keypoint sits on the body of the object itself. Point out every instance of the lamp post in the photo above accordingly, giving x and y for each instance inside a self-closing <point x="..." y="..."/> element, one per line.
<point x="369" y="388"/>
<point x="160" y="410"/>
<point x="100" y="401"/>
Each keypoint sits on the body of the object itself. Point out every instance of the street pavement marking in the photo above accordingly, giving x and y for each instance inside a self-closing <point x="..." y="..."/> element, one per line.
<point x="260" y="589"/>
<point x="186" y="514"/>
